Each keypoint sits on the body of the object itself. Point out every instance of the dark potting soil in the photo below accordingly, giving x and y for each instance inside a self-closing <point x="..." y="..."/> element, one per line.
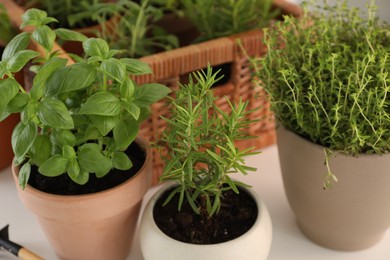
<point x="237" y="215"/>
<point x="63" y="184"/>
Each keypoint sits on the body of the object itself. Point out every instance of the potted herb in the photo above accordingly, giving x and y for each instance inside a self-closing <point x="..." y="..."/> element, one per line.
<point x="205" y="211"/>
<point x="327" y="76"/>
<point x="6" y="127"/>
<point x="80" y="167"/>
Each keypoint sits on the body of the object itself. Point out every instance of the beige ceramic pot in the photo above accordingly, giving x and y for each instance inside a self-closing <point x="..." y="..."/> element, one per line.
<point x="352" y="215"/>
<point x="97" y="226"/>
<point x="253" y="245"/>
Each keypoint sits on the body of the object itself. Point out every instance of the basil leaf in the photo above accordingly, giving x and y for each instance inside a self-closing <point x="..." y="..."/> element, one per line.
<point x="18" y="43"/>
<point x="102" y="103"/>
<point x="54" y="166"/>
<point x="8" y="90"/>
<point x="121" y="161"/>
<point x="19" y="60"/>
<point x="44" y="36"/>
<point x="17" y="104"/>
<point x="104" y="123"/>
<point x="24" y="175"/>
<point x="23" y="138"/>
<point x="125" y="133"/>
<point x="40" y="150"/>
<point x="74" y="77"/>
<point x="89" y="155"/>
<point x="149" y="93"/>
<point x="136" y="67"/>
<point x="114" y="68"/>
<point x="96" y="47"/>
<point x="70" y="35"/>
<point x="53" y="113"/>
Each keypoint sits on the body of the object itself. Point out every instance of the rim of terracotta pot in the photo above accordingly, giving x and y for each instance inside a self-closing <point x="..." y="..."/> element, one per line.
<point x="79" y="201"/>
<point x="263" y="216"/>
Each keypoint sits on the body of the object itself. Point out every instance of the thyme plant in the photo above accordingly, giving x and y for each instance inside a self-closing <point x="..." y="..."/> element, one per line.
<point x="327" y="75"/>
<point x="199" y="140"/>
<point x="220" y="18"/>
<point x="77" y="119"/>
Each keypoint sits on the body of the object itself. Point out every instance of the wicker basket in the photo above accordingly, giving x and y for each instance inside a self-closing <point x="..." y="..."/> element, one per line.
<point x="174" y="66"/>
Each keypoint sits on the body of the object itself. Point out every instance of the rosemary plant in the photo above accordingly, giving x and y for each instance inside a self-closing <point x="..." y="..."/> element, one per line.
<point x="200" y="143"/>
<point x="327" y="76"/>
<point x="220" y="18"/>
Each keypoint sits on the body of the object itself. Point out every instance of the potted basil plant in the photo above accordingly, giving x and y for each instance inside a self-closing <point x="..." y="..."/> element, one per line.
<point x="327" y="76"/>
<point x="202" y="210"/>
<point x="79" y="165"/>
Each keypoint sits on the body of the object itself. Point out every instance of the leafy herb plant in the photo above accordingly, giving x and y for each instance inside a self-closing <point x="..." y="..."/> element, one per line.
<point x="327" y="76"/>
<point x="68" y="12"/>
<point x="77" y="114"/>
<point x="200" y="143"/>
<point x="220" y="18"/>
<point x="135" y="30"/>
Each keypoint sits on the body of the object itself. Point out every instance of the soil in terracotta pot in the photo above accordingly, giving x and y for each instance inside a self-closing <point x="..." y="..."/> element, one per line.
<point x="236" y="216"/>
<point x="63" y="185"/>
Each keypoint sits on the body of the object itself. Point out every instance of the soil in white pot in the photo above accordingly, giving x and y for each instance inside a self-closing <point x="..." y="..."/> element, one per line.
<point x="237" y="215"/>
<point x="63" y="184"/>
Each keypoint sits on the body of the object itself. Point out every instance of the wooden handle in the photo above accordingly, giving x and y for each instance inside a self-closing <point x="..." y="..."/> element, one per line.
<point x="26" y="254"/>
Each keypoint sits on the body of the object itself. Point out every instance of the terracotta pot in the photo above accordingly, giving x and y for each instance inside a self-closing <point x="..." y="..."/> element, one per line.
<point x="93" y="226"/>
<point x="352" y="215"/>
<point x="6" y="128"/>
<point x="255" y="244"/>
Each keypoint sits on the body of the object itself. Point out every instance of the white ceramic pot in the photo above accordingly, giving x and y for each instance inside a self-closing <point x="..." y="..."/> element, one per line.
<point x="253" y="245"/>
<point x="354" y="214"/>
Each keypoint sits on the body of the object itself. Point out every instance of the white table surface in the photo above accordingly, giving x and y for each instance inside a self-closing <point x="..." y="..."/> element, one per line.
<point x="288" y="243"/>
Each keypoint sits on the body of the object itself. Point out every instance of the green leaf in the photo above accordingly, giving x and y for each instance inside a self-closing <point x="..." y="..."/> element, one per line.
<point x="18" y="43"/>
<point x="23" y="138"/>
<point x="101" y="103"/>
<point x="104" y="123"/>
<point x="127" y="88"/>
<point x="20" y="59"/>
<point x="53" y="113"/>
<point x="149" y="93"/>
<point x="17" y="104"/>
<point x="35" y="17"/>
<point x="96" y="47"/>
<point x="114" y="68"/>
<point x="8" y="90"/>
<point x="82" y="178"/>
<point x="40" y="151"/>
<point x="43" y="74"/>
<point x="231" y="184"/>
<point x="29" y="111"/>
<point x="73" y="77"/>
<point x="24" y="175"/>
<point x="68" y="152"/>
<point x="70" y="35"/>
<point x="54" y="166"/>
<point x="125" y="133"/>
<point x="136" y="67"/>
<point x="121" y="161"/>
<point x="91" y="159"/>
<point x="44" y="36"/>
<point x="133" y="109"/>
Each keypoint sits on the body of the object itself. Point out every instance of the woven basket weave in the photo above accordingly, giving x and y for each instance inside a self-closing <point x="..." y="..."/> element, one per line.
<point x="173" y="66"/>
